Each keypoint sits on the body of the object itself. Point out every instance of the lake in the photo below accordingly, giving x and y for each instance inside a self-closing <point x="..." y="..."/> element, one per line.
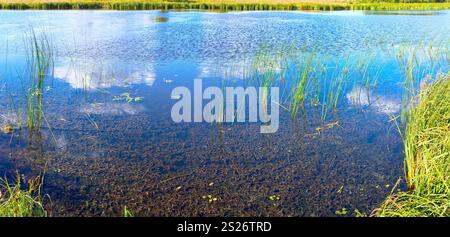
<point x="108" y="139"/>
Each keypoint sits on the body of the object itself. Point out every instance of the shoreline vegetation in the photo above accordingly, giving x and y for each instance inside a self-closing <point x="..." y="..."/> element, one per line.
<point x="427" y="157"/>
<point x="22" y="198"/>
<point x="224" y="5"/>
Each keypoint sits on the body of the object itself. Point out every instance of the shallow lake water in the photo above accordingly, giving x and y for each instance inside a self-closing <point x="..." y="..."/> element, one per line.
<point x="100" y="153"/>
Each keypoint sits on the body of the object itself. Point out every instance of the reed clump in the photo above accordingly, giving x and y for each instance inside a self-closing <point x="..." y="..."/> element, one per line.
<point x="20" y="201"/>
<point x="40" y="65"/>
<point x="427" y="156"/>
<point x="311" y="80"/>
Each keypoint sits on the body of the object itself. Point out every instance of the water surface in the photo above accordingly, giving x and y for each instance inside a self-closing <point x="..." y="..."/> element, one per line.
<point x="100" y="154"/>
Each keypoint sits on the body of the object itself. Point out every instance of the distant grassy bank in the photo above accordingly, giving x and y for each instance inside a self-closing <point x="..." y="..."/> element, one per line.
<point x="218" y="5"/>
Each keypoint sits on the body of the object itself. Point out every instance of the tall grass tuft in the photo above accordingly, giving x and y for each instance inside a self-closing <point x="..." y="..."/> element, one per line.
<point x="427" y="156"/>
<point x="40" y="64"/>
<point x="18" y="201"/>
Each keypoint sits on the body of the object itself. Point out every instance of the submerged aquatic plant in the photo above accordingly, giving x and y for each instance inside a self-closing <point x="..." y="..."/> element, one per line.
<point x="334" y="86"/>
<point x="15" y="201"/>
<point x="127" y="97"/>
<point x="161" y="19"/>
<point x="427" y="156"/>
<point x="210" y="198"/>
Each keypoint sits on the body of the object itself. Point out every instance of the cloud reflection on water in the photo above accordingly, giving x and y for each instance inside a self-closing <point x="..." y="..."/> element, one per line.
<point x="98" y="76"/>
<point x="359" y="96"/>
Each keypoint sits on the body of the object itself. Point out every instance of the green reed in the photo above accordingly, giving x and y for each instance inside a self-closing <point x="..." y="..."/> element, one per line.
<point x="40" y="65"/>
<point x="418" y="65"/>
<point x="338" y="84"/>
<point x="305" y="76"/>
<point x="324" y="103"/>
<point x="365" y="77"/>
<point x="301" y="81"/>
<point x="301" y="77"/>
